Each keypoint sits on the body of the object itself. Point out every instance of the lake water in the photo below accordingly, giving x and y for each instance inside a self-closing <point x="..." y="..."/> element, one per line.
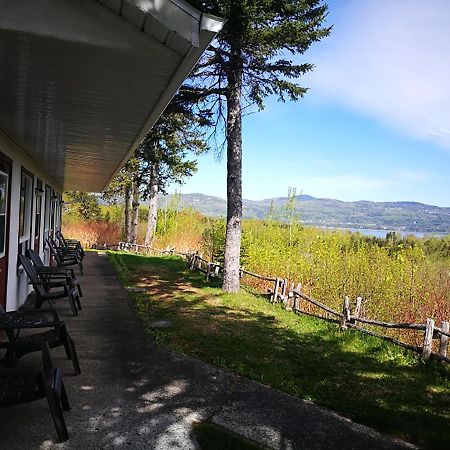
<point x="382" y="233"/>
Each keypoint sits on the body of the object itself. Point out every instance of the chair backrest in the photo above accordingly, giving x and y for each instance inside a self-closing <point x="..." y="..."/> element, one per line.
<point x="61" y="238"/>
<point x="53" y="249"/>
<point x="35" y="258"/>
<point x="32" y="274"/>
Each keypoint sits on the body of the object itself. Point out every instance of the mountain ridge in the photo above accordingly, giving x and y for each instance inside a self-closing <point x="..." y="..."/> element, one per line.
<point x="326" y="212"/>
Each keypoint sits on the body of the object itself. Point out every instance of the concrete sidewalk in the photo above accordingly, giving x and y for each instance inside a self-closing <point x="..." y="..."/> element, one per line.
<point x="135" y="395"/>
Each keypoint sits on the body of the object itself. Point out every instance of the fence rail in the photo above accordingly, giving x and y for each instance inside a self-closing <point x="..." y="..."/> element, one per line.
<point x="292" y="297"/>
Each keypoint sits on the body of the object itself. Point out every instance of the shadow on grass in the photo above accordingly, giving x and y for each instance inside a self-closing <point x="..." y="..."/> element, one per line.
<point x="213" y="437"/>
<point x="359" y="376"/>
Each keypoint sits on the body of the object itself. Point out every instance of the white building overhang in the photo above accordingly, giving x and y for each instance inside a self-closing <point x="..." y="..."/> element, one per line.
<point x="82" y="81"/>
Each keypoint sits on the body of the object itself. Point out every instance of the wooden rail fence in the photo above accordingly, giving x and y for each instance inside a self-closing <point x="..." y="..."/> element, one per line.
<point x="292" y="297"/>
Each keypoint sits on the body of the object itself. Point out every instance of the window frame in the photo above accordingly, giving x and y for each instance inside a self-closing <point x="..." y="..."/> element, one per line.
<point x="5" y="213"/>
<point x="25" y="224"/>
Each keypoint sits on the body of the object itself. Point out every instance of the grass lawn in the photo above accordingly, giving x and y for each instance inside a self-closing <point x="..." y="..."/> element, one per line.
<point x="361" y="377"/>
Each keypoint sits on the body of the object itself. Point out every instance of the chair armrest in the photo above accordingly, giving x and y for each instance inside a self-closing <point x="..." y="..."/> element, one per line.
<point x="52" y="311"/>
<point x="50" y="284"/>
<point x="26" y="319"/>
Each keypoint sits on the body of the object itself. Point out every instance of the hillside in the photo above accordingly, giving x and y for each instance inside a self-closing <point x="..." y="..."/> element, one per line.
<point x="401" y="216"/>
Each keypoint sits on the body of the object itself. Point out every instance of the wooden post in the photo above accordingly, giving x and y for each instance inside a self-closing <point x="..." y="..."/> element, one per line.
<point x="357" y="311"/>
<point x="296" y="303"/>
<point x="428" y="339"/>
<point x="299" y="287"/>
<point x="443" y="345"/>
<point x="290" y="298"/>
<point x="275" y="292"/>
<point x="199" y="266"/>
<point x="345" y="313"/>
<point x="216" y="270"/>
<point x="208" y="271"/>
<point x="284" y="289"/>
<point x="291" y="290"/>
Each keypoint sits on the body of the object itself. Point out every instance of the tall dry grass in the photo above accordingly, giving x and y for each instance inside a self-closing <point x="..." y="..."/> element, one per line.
<point x="93" y="234"/>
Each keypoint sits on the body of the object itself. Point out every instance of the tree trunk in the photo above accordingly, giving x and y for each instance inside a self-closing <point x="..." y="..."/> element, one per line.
<point x="153" y="204"/>
<point x="126" y="229"/>
<point x="231" y="282"/>
<point x="134" y="213"/>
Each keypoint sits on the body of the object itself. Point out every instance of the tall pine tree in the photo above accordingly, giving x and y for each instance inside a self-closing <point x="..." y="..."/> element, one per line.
<point x="250" y="60"/>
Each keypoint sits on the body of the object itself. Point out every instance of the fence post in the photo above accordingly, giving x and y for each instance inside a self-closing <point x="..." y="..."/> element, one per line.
<point x="275" y="292"/>
<point x="291" y="289"/>
<point x="193" y="260"/>
<point x="345" y="313"/>
<point x="357" y="310"/>
<point x="290" y="298"/>
<point x="443" y="345"/>
<point x="199" y="266"/>
<point x="284" y="288"/>
<point x="216" y="270"/>
<point x="296" y="303"/>
<point x="208" y="271"/>
<point x="428" y="339"/>
<point x="359" y="300"/>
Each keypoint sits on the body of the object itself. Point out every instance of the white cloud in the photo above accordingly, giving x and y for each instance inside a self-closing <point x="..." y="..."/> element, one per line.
<point x="390" y="59"/>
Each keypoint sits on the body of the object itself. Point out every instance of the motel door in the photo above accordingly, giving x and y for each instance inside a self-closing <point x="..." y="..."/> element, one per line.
<point x="5" y="183"/>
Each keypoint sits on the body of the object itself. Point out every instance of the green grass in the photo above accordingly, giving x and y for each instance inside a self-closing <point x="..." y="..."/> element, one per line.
<point x="213" y="437"/>
<point x="364" y="378"/>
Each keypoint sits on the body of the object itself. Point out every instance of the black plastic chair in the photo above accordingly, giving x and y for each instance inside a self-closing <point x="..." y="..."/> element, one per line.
<point x="44" y="290"/>
<point x="49" y="273"/>
<point x="64" y="257"/>
<point x="69" y="243"/>
<point x="55" y="335"/>
<point x="26" y="385"/>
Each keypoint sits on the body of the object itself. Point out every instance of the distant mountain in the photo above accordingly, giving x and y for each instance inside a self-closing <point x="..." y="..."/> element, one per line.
<point x="398" y="216"/>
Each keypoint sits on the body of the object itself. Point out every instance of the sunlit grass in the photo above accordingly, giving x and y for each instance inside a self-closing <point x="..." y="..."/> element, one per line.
<point x="359" y="376"/>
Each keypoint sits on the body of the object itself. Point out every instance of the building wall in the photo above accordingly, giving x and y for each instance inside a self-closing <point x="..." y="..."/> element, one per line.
<point x="17" y="284"/>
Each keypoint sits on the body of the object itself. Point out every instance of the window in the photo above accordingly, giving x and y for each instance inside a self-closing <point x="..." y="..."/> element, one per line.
<point x="58" y="211"/>
<point x="4" y="179"/>
<point x="37" y="211"/>
<point x="26" y="186"/>
<point x="48" y="213"/>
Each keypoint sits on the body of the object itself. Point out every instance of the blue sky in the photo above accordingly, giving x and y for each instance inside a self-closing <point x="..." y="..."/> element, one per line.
<point x="375" y="124"/>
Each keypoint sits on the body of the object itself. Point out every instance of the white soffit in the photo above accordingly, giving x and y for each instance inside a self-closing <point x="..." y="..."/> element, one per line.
<point x="82" y="81"/>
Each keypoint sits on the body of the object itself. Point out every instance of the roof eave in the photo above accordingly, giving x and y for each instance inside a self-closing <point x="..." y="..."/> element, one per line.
<point x="209" y="27"/>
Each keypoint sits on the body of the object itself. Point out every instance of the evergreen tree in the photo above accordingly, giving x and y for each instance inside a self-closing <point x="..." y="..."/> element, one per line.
<point x="249" y="61"/>
<point x="163" y="155"/>
<point x="160" y="159"/>
<point x="82" y="204"/>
